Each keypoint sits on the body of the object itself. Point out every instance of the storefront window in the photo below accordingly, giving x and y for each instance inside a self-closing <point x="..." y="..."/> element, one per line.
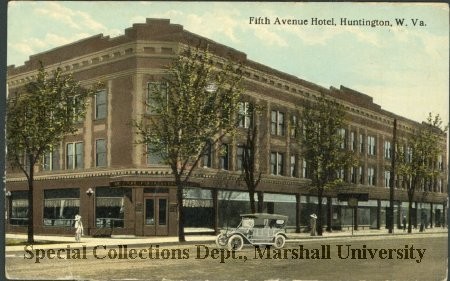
<point x="198" y="207"/>
<point x="19" y="208"/>
<point x="109" y="206"/>
<point x="231" y="205"/>
<point x="281" y="204"/>
<point x="61" y="206"/>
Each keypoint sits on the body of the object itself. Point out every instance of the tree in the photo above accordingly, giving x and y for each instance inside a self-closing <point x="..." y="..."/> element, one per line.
<point x="38" y="116"/>
<point x="416" y="159"/>
<point x="192" y="109"/>
<point x="323" y="147"/>
<point x="250" y="174"/>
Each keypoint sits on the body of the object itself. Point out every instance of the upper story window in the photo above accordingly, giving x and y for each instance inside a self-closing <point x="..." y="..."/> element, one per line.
<point x="342" y="137"/>
<point x="277" y="123"/>
<point x="354" y="175"/>
<point x="304" y="169"/>
<point x="387" y="150"/>
<point x="101" y="105"/>
<point x="100" y="153"/>
<point x="153" y="157"/>
<point x="276" y="163"/>
<point x="207" y="155"/>
<point x="245" y="117"/>
<point x="440" y="163"/>
<point x="293" y="168"/>
<point x="409" y="154"/>
<point x="371" y="145"/>
<point x="75" y="103"/>
<point x="74" y="155"/>
<point x="361" y="144"/>
<point x="224" y="157"/>
<point x="361" y="175"/>
<point x="387" y="178"/>
<point x="240" y="158"/>
<point x="51" y="160"/>
<point x="153" y="88"/>
<point x="352" y="141"/>
<point x="294" y="125"/>
<point x="371" y="176"/>
<point x="341" y="174"/>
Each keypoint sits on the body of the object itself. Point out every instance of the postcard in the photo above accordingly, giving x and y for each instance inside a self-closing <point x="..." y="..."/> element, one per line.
<point x="226" y="141"/>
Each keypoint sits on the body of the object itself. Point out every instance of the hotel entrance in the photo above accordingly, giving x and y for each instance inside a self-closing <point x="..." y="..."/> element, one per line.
<point x="156" y="215"/>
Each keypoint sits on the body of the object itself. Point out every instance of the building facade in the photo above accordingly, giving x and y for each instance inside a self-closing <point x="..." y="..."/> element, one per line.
<point x="102" y="173"/>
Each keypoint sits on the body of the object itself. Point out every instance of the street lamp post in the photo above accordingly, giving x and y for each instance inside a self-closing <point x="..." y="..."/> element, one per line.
<point x="8" y="207"/>
<point x="89" y="193"/>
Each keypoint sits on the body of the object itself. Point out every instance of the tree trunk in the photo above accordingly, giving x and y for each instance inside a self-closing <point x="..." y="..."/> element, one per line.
<point x="181" y="236"/>
<point x="410" y="201"/>
<point x="251" y="193"/>
<point x="30" y="205"/>
<point x="260" y="201"/>
<point x="319" y="213"/>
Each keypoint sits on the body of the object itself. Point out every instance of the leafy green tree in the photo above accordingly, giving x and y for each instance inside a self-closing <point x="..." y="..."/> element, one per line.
<point x="250" y="174"/>
<point x="193" y="108"/>
<point x="417" y="158"/>
<point x="38" y="117"/>
<point x="322" y="146"/>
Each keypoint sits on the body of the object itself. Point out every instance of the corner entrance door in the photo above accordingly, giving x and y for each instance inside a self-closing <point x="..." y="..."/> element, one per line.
<point x="156" y="216"/>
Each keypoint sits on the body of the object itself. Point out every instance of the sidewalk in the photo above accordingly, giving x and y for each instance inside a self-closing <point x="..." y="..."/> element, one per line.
<point x="64" y="241"/>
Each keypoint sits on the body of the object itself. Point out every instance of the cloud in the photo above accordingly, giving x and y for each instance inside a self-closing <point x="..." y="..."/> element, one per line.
<point x="72" y="18"/>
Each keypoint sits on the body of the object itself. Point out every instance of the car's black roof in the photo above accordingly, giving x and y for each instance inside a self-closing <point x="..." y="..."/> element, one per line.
<point x="265" y="216"/>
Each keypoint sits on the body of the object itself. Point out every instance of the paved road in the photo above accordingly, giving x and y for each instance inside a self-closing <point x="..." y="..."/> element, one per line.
<point x="406" y="257"/>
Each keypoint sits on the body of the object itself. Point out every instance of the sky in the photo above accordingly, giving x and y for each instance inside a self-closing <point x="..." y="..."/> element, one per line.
<point x="405" y="68"/>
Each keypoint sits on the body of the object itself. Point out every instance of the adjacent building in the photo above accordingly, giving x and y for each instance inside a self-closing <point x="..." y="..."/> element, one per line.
<point x="117" y="187"/>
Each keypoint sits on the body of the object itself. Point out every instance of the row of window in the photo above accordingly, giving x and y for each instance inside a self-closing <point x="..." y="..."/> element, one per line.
<point x="74" y="153"/>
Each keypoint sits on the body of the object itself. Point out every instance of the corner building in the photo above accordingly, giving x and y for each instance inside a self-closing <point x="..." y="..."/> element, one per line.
<point x="117" y="188"/>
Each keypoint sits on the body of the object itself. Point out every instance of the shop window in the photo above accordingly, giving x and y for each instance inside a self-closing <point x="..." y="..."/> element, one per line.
<point x="19" y="208"/>
<point x="110" y="206"/>
<point x="61" y="206"/>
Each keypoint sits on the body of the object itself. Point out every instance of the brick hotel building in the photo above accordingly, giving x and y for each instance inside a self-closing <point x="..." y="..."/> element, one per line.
<point x="118" y="188"/>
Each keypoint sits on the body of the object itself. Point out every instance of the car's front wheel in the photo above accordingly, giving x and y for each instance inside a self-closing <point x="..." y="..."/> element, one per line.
<point x="279" y="241"/>
<point x="235" y="243"/>
<point x="221" y="240"/>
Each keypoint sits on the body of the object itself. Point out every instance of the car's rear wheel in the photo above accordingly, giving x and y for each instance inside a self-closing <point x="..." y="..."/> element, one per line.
<point x="235" y="243"/>
<point x="221" y="240"/>
<point x="279" y="241"/>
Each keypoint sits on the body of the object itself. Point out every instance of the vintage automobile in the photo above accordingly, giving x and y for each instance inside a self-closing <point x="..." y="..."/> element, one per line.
<point x="259" y="229"/>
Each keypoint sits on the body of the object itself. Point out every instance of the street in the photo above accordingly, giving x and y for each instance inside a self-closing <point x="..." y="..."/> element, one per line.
<point x="405" y="257"/>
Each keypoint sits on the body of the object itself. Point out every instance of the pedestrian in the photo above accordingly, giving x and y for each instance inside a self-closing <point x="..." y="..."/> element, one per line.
<point x="313" y="224"/>
<point x="78" y="228"/>
<point x="404" y="223"/>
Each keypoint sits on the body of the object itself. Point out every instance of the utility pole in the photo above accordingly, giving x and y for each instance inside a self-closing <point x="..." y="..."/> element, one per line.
<point x="392" y="179"/>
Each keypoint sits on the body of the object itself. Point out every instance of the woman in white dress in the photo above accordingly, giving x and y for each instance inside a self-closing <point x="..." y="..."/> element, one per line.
<point x="78" y="228"/>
